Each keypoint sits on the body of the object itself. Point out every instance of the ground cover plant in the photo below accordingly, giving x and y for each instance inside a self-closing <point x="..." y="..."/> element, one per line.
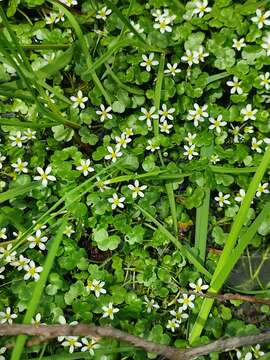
<point x="134" y="163"/>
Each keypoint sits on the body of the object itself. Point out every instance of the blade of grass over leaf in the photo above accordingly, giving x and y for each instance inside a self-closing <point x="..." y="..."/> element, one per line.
<point x="231" y="170"/>
<point x="38" y="290"/>
<point x="124" y="20"/>
<point x="84" y="47"/>
<point x="201" y="225"/>
<point x="115" y="46"/>
<point x="217" y="282"/>
<point x="24" y="124"/>
<point x="216" y="77"/>
<point x="157" y="98"/>
<point x="15" y="192"/>
<point x="185" y="250"/>
<point x="132" y="90"/>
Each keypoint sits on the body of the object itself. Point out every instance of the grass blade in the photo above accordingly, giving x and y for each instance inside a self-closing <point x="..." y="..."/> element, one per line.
<point x="201" y="226"/>
<point x="217" y="281"/>
<point x="184" y="249"/>
<point x="84" y="46"/>
<point x="19" y="345"/>
<point x="17" y="191"/>
<point x="124" y="20"/>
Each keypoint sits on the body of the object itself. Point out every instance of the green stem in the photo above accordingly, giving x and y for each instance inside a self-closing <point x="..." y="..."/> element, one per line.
<point x="38" y="290"/>
<point x="223" y="269"/>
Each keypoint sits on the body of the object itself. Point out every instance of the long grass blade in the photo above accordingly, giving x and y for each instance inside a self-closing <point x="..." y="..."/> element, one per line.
<point x="15" y="192"/>
<point x="224" y="261"/>
<point x="184" y="249"/>
<point x="201" y="225"/>
<point x="124" y="20"/>
<point x="84" y="47"/>
<point x="37" y="293"/>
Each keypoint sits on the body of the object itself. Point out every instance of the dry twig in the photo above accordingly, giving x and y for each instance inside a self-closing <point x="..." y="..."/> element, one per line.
<point x="48" y="332"/>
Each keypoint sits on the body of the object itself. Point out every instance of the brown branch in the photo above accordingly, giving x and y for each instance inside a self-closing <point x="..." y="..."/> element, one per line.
<point x="229" y="297"/>
<point x="48" y="332"/>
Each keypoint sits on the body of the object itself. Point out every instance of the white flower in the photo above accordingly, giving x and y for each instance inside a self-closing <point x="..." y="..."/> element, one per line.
<point x="266" y="43"/>
<point x="2" y="158"/>
<point x="3" y="233"/>
<point x="198" y="287"/>
<point x="190" y="137"/>
<point x="257" y="351"/>
<point x="32" y="271"/>
<point x="128" y="132"/>
<point x="30" y="134"/>
<point x="190" y="151"/>
<point x="109" y="311"/>
<point x="79" y="100"/>
<point x="37" y="320"/>
<point x="255" y="145"/>
<point x="103" y="13"/>
<point x="137" y="189"/>
<point x="20" y="166"/>
<point x="262" y="189"/>
<point x="150" y="304"/>
<point x="68" y="231"/>
<point x="165" y="127"/>
<point x="113" y="154"/>
<point x="214" y="159"/>
<point x="148" y="115"/>
<point x="90" y="346"/>
<point x="37" y="240"/>
<point x="122" y="140"/>
<point x="44" y="175"/>
<point x="72" y="342"/>
<point x="7" y="316"/>
<point x="249" y="113"/>
<point x="265" y="80"/>
<point x="201" y="8"/>
<point x="116" y="201"/>
<point x="165" y="113"/>
<point x="198" y="114"/>
<point x="157" y="14"/>
<point x="2" y="351"/>
<point x="69" y="3"/>
<point x="240" y="196"/>
<point x="152" y="146"/>
<point x="163" y="25"/>
<point x="261" y="18"/>
<point x="239" y="44"/>
<point x="62" y="321"/>
<point x="39" y="226"/>
<point x="191" y="57"/>
<point x="236" y="134"/>
<point x="179" y="315"/>
<point x="7" y="254"/>
<point x="222" y="199"/>
<point x="85" y="167"/>
<point x="2" y="269"/>
<point x="102" y="185"/>
<point x="137" y="27"/>
<point x="248" y="355"/>
<point x="172" y="69"/>
<point x="172" y="325"/>
<point x="96" y="286"/>
<point x="202" y="54"/>
<point x="187" y="301"/>
<point x="236" y="86"/>
<point x="104" y="113"/>
<point x="51" y="18"/>
<point x="148" y="62"/>
<point x="17" y="139"/>
<point x="20" y="263"/>
<point x="216" y="124"/>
